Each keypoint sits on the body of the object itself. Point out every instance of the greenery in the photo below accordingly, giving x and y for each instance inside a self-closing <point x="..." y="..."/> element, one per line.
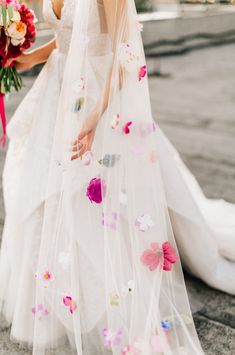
<point x="143" y="5"/>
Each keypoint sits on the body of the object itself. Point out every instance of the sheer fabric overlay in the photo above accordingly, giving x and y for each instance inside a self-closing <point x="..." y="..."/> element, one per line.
<point x="106" y="270"/>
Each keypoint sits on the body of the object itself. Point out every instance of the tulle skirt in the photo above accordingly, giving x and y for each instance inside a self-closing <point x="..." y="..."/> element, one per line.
<point x="204" y="229"/>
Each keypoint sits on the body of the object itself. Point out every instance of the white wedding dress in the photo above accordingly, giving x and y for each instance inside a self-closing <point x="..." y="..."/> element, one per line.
<point x="204" y="229"/>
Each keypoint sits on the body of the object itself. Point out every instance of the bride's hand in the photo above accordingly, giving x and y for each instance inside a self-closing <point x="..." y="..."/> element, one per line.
<point x="84" y="140"/>
<point x="24" y="62"/>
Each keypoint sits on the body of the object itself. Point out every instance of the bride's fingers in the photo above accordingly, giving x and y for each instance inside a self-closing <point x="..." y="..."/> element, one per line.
<point x="79" y="153"/>
<point x="75" y="156"/>
<point x="77" y="147"/>
<point x="82" y="151"/>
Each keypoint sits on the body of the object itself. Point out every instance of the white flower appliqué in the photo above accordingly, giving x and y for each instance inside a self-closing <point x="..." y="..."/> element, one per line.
<point x="144" y="222"/>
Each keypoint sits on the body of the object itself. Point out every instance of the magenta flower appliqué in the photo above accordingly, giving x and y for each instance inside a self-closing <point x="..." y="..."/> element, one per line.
<point x="159" y="256"/>
<point x="126" y="127"/>
<point x="96" y="190"/>
<point x="142" y="72"/>
<point x="69" y="302"/>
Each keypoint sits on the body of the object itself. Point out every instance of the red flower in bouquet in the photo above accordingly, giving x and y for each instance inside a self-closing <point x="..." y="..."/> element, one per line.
<point x="17" y="33"/>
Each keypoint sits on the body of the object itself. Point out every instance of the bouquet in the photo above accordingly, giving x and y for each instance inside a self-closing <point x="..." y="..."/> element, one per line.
<point x="17" y="33"/>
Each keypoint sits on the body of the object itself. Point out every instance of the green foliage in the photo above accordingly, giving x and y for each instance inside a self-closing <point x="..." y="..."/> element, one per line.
<point x="9" y="78"/>
<point x="143" y="5"/>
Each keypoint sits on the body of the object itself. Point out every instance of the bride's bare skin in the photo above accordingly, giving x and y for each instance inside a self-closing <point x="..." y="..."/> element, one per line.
<point x="57" y="6"/>
<point x="84" y="140"/>
<point x="39" y="55"/>
<point x="29" y="59"/>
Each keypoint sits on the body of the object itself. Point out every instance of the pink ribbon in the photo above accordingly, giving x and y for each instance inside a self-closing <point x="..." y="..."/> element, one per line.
<point x="3" y="119"/>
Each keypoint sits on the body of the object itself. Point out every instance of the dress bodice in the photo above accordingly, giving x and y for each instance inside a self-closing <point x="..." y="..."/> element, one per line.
<point x="63" y="26"/>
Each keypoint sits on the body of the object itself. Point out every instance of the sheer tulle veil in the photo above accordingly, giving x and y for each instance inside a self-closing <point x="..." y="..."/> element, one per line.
<point x="114" y="283"/>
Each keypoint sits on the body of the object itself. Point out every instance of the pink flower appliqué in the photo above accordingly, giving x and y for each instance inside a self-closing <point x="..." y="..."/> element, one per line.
<point x="46" y="277"/>
<point x="130" y="350"/>
<point x="146" y="128"/>
<point x="110" y="220"/>
<point x="40" y="311"/>
<point x="69" y="302"/>
<point x="163" y="256"/>
<point x="111" y="337"/>
<point x="159" y="342"/>
<point x="115" y="121"/>
<point x="126" y="127"/>
<point x="142" y="72"/>
<point x="153" y="157"/>
<point x="96" y="190"/>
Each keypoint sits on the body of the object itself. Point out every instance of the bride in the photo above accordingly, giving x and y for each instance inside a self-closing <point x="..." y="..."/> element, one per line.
<point x="95" y="195"/>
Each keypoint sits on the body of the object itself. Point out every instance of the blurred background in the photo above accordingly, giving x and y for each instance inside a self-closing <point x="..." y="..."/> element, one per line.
<point x="190" y="51"/>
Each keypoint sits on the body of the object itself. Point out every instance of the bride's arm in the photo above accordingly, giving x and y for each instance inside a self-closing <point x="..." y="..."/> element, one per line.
<point x="115" y="12"/>
<point x="36" y="56"/>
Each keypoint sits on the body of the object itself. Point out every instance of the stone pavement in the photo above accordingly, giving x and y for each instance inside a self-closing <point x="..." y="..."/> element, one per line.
<point x="194" y="102"/>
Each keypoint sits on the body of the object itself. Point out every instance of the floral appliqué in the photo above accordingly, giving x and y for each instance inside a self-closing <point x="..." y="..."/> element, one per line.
<point x="126" y="127"/>
<point x="79" y="103"/>
<point x="166" y="325"/>
<point x="159" y="256"/>
<point x="110" y="220"/>
<point x="144" y="222"/>
<point x="146" y="128"/>
<point x="128" y="57"/>
<point x="46" y="277"/>
<point x="159" y="343"/>
<point x="114" y="299"/>
<point x="41" y="311"/>
<point x="153" y="157"/>
<point x="81" y="84"/>
<point x="115" y="121"/>
<point x="142" y="72"/>
<point x="96" y="190"/>
<point x="129" y="288"/>
<point x="123" y="198"/>
<point x="69" y="302"/>
<point x="139" y="26"/>
<point x="131" y="350"/>
<point x="109" y="160"/>
<point x="111" y="338"/>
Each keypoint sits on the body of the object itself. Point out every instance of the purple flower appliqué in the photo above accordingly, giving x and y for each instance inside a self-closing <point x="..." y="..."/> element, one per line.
<point x="111" y="337"/>
<point x="96" y="190"/>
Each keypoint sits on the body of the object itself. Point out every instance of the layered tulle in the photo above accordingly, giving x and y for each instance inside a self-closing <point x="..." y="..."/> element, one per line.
<point x="105" y="213"/>
<point x="91" y="251"/>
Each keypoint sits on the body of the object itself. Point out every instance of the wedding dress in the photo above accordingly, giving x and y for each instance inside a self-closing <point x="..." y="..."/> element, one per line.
<point x="88" y="257"/>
